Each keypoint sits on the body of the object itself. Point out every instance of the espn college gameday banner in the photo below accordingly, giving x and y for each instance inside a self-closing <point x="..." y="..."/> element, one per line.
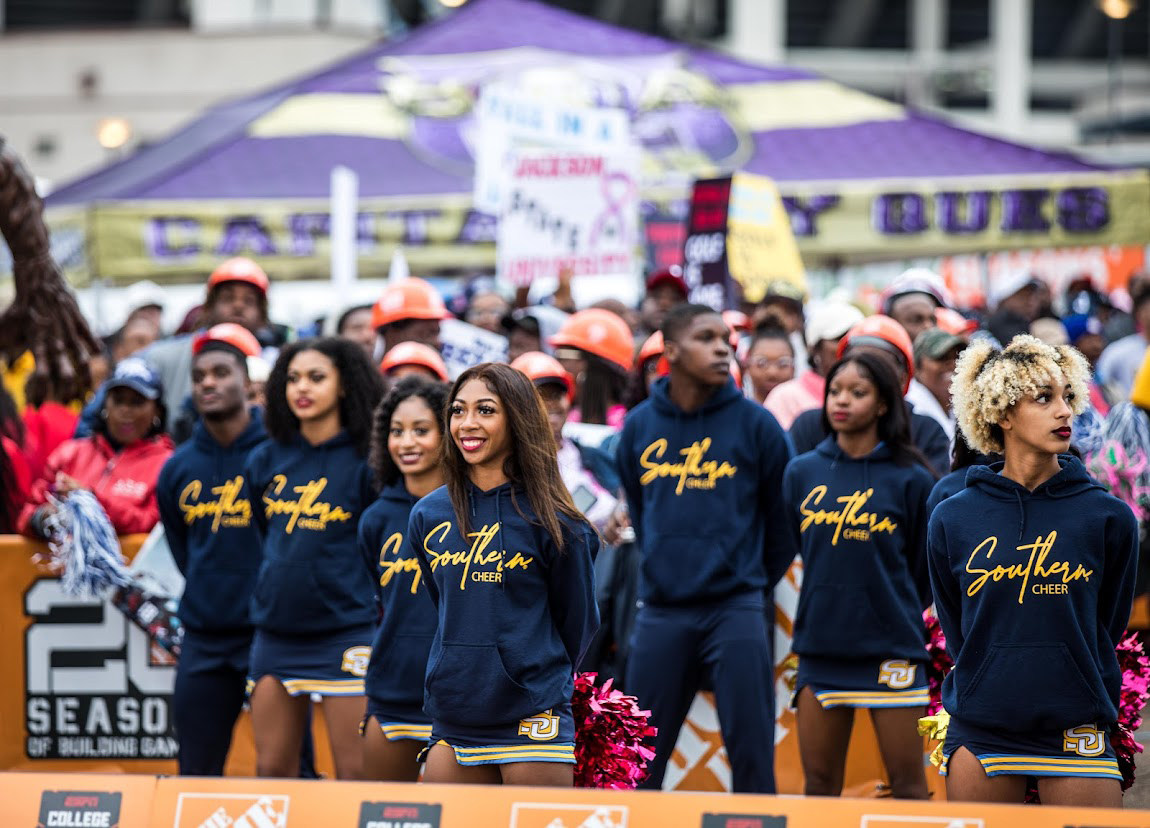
<point x="90" y="801"/>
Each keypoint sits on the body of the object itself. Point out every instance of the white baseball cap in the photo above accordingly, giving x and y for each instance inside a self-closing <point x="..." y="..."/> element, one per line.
<point x="830" y="320"/>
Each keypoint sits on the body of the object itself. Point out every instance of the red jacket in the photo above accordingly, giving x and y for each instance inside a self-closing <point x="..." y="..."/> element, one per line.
<point x="45" y="428"/>
<point x="124" y="482"/>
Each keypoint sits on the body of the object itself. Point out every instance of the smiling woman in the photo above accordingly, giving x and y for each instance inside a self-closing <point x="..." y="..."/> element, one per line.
<point x="1032" y="568"/>
<point x="502" y="547"/>
<point x="405" y="450"/>
<point x="119" y="464"/>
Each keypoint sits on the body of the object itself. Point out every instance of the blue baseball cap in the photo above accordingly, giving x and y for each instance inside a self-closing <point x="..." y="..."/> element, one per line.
<point x="138" y="375"/>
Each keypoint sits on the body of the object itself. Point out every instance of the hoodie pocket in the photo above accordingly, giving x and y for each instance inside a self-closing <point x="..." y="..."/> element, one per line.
<point x="468" y="683"/>
<point x="827" y="610"/>
<point x="343" y="585"/>
<point x="220" y="599"/>
<point x="1024" y="686"/>
<point x="395" y="673"/>
<point x="685" y="567"/>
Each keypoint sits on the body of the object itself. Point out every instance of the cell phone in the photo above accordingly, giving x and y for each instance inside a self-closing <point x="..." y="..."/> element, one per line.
<point x="584" y="498"/>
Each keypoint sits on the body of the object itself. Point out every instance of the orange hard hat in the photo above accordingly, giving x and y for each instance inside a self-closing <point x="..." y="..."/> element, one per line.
<point x="410" y="299"/>
<point x="414" y="353"/>
<point x="599" y="332"/>
<point x="540" y="368"/>
<point x="885" y="332"/>
<point x="229" y="333"/>
<point x="736" y="373"/>
<point x="954" y="322"/>
<point x="653" y="347"/>
<point x="240" y="269"/>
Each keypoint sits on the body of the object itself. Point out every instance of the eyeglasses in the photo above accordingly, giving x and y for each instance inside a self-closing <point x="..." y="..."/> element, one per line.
<point x="763" y="362"/>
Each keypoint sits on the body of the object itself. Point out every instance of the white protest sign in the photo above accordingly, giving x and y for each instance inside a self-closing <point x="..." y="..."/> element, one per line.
<point x="509" y="119"/>
<point x="576" y="210"/>
<point x="463" y="345"/>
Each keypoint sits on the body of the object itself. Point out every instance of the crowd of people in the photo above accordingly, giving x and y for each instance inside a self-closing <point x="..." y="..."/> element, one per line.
<point x="435" y="556"/>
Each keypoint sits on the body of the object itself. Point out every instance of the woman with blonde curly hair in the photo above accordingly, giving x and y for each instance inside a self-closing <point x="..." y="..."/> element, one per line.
<point x="1032" y="567"/>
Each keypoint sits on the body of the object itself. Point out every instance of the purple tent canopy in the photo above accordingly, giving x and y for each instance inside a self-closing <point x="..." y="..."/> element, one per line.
<point x="401" y="116"/>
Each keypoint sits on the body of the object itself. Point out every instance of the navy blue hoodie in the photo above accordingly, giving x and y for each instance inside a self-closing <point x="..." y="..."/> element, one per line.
<point x="207" y="516"/>
<point x="704" y="493"/>
<point x="515" y="613"/>
<point x="862" y="528"/>
<point x="308" y="503"/>
<point x="403" y="639"/>
<point x="1033" y="591"/>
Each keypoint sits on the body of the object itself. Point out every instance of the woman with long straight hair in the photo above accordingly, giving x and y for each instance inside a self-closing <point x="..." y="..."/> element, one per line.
<point x="313" y="607"/>
<point x="858" y="502"/>
<point x="1032" y="566"/>
<point x="507" y="559"/>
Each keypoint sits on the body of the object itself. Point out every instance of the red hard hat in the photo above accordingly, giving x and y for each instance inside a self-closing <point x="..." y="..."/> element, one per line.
<point x="232" y="334"/>
<point x="598" y="332"/>
<point x="414" y="353"/>
<point x="240" y="269"/>
<point x="410" y="299"/>
<point x="653" y="347"/>
<point x="885" y="332"/>
<point x="540" y="368"/>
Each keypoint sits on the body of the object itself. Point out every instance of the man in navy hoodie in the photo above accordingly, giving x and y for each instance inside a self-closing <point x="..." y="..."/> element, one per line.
<point x="702" y="468"/>
<point x="207" y="517"/>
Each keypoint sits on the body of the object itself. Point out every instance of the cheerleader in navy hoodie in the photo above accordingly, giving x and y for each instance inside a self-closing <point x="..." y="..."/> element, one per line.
<point x="1032" y="566"/>
<point x="702" y="467"/>
<point x="314" y="605"/>
<point x="207" y="517"/>
<point x="507" y="559"/>
<point x="858" y="505"/>
<point x="405" y="447"/>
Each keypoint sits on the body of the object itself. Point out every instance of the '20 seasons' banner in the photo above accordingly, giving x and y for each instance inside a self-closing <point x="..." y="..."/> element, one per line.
<point x="835" y="220"/>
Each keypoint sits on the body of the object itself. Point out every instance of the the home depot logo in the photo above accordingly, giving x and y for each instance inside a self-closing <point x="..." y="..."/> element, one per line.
<point x="549" y="815"/>
<point x="898" y="821"/>
<point x="200" y="810"/>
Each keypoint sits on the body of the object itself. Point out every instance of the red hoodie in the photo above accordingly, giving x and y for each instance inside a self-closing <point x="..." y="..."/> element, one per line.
<point x="124" y="482"/>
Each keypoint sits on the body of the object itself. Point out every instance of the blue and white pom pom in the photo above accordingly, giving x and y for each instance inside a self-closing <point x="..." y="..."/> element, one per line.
<point x="85" y="545"/>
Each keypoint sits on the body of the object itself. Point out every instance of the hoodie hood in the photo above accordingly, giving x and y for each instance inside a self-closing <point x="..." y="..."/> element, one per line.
<point x="248" y="439"/>
<point x="1072" y="480"/>
<point x="661" y="400"/>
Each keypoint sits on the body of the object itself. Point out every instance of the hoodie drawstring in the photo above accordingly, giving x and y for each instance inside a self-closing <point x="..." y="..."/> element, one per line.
<point x="1021" y="515"/>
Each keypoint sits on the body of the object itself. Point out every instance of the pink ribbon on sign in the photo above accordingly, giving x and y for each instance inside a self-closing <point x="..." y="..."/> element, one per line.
<point x="615" y="197"/>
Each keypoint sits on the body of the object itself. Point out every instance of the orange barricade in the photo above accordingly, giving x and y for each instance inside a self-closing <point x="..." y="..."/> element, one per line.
<point x="91" y="801"/>
<point x="90" y="693"/>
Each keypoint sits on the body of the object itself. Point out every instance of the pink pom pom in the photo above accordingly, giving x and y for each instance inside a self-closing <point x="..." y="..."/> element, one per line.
<point x="610" y="731"/>
<point x="1135" y="666"/>
<point x="938" y="662"/>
